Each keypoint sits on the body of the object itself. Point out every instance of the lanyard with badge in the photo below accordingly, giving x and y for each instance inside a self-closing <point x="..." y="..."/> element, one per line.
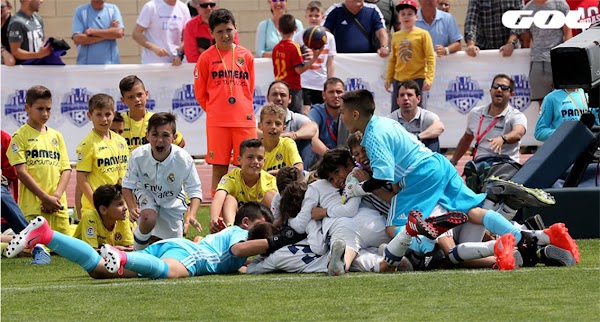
<point x="330" y="127"/>
<point x="479" y="137"/>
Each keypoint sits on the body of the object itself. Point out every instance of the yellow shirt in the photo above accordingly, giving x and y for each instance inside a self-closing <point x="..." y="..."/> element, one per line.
<point x="284" y="154"/>
<point x="235" y="186"/>
<point x="92" y="231"/>
<point x="46" y="157"/>
<point x="412" y="56"/>
<point x="105" y="161"/>
<point x="135" y="131"/>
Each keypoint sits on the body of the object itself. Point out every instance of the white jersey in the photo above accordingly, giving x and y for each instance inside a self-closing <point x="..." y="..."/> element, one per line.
<point x="316" y="75"/>
<point x="164" y="27"/>
<point x="275" y="206"/>
<point x="164" y="181"/>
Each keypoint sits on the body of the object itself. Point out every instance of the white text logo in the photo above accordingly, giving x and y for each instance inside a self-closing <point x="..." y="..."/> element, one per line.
<point x="544" y="19"/>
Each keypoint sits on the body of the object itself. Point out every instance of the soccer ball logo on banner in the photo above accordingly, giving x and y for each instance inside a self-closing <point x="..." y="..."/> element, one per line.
<point x="15" y="107"/>
<point x="185" y="104"/>
<point x="522" y="97"/>
<point x="463" y="93"/>
<point x="75" y="106"/>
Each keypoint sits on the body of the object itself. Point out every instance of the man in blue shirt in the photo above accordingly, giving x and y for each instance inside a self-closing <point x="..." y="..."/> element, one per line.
<point x="341" y="20"/>
<point x="441" y="26"/>
<point x="96" y="28"/>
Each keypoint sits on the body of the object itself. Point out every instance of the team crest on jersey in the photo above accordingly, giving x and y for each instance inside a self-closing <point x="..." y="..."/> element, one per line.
<point x="150" y="106"/>
<point x="522" y="97"/>
<point x="279" y="157"/>
<point x="463" y="93"/>
<point x="211" y="155"/>
<point x="353" y="84"/>
<point x="15" y="108"/>
<point x="240" y="62"/>
<point x="118" y="237"/>
<point x="121" y="146"/>
<point x="144" y="201"/>
<point x="223" y="180"/>
<point x="184" y="103"/>
<point x="14" y="147"/>
<point x="258" y="100"/>
<point x="259" y="195"/>
<point x="90" y="232"/>
<point x="75" y="106"/>
<point x="54" y="142"/>
<point x="79" y="156"/>
<point x="171" y="177"/>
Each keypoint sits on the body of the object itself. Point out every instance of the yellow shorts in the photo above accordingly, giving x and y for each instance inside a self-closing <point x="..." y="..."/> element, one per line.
<point x="60" y="224"/>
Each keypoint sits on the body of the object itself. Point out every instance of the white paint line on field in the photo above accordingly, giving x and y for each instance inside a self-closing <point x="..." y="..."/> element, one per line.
<point x="260" y="278"/>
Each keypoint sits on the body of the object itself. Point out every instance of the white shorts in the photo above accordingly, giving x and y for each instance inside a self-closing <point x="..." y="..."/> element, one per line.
<point x="169" y="222"/>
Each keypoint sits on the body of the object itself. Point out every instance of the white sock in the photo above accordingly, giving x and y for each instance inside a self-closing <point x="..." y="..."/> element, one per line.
<point x="470" y="251"/>
<point x="366" y="262"/>
<point x="490" y="205"/>
<point x="140" y="241"/>
<point x="543" y="238"/>
<point x="507" y="212"/>
<point x="397" y="247"/>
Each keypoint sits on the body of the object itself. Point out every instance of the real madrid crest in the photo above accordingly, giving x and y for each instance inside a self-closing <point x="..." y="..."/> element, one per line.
<point x="171" y="177"/>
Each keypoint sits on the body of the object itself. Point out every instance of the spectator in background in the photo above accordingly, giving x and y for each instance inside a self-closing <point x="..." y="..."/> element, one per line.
<point x="96" y="28"/>
<point x="358" y="27"/>
<point x="540" y="71"/>
<point x="267" y="32"/>
<point x="196" y="35"/>
<point x="444" y="5"/>
<point x="193" y="7"/>
<point x="390" y="15"/>
<point x="5" y="19"/>
<point x="483" y="24"/>
<point x="159" y="30"/>
<point x="441" y="26"/>
<point x="26" y="33"/>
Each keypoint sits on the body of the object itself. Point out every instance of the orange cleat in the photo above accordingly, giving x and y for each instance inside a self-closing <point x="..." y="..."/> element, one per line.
<point x="559" y="237"/>
<point x="504" y="252"/>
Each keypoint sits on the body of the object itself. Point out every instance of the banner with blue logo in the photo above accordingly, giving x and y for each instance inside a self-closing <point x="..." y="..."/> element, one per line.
<point x="461" y="83"/>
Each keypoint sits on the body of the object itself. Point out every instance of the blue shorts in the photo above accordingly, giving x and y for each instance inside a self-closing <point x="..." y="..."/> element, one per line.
<point x="175" y="249"/>
<point x="433" y="181"/>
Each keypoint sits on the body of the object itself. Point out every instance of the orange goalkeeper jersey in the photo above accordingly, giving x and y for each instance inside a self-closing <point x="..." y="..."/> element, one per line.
<point x="216" y="80"/>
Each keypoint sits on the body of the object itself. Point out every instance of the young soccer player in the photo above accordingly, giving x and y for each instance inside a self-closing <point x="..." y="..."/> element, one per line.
<point x="40" y="156"/>
<point x="134" y="96"/>
<point x="157" y="173"/>
<point x="118" y="124"/>
<point x="284" y="177"/>
<point x="279" y="151"/>
<point x="247" y="183"/>
<point x="288" y="63"/>
<point x="312" y="80"/>
<point x="225" y="91"/>
<point x="412" y="55"/>
<point x="427" y="179"/>
<point x="102" y="154"/>
<point x="220" y="253"/>
<point x="108" y="223"/>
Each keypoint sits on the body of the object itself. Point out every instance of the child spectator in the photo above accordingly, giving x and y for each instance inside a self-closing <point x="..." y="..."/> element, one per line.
<point x="118" y="124"/>
<point x="134" y="96"/>
<point x="225" y="91"/>
<point x="285" y="176"/>
<point x="279" y="151"/>
<point x="312" y="80"/>
<point x="288" y="63"/>
<point x="108" y="222"/>
<point x="157" y="173"/>
<point x="247" y="183"/>
<point x="102" y="154"/>
<point x="413" y="57"/>
<point x="40" y="156"/>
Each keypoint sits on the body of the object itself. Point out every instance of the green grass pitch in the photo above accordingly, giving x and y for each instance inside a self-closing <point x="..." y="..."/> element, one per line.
<point x="62" y="291"/>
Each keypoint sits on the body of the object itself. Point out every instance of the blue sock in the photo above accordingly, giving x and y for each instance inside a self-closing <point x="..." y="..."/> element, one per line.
<point x="497" y="224"/>
<point x="147" y="265"/>
<point x="75" y="250"/>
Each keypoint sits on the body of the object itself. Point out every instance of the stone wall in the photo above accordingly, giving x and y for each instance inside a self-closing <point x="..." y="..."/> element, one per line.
<point x="58" y="17"/>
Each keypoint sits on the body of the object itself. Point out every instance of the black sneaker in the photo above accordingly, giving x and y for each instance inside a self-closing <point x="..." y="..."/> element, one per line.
<point x="518" y="196"/>
<point x="556" y="256"/>
<point x="535" y="223"/>
<point x="528" y="248"/>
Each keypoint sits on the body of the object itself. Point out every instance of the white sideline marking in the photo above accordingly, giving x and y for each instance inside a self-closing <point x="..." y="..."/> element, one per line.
<point x="256" y="278"/>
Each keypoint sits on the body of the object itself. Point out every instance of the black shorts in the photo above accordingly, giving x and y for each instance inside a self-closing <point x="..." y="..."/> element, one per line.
<point x="312" y="96"/>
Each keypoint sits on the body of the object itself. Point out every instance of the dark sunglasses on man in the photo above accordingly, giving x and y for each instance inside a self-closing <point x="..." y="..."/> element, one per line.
<point x="503" y="87"/>
<point x="207" y="4"/>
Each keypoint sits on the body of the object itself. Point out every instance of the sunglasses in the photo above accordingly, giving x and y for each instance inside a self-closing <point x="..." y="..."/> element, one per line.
<point x="503" y="87"/>
<point x="275" y="1"/>
<point x="206" y="5"/>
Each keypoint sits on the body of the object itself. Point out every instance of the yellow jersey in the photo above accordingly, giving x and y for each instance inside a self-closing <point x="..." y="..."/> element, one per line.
<point x="235" y="186"/>
<point x="92" y="231"/>
<point x="105" y="161"/>
<point x="135" y="131"/>
<point x="45" y="155"/>
<point x="284" y="154"/>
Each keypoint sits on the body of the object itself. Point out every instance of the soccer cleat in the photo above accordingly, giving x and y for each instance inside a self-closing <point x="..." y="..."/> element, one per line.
<point x="114" y="259"/>
<point x="447" y="221"/>
<point x="40" y="255"/>
<point x="483" y="168"/>
<point x="559" y="236"/>
<point x="471" y="176"/>
<point x="37" y="232"/>
<point x="556" y="256"/>
<point x="535" y="223"/>
<point x="518" y="259"/>
<point x="528" y="247"/>
<point x="416" y="225"/>
<point x="518" y="196"/>
<point x="337" y="262"/>
<point x="504" y="252"/>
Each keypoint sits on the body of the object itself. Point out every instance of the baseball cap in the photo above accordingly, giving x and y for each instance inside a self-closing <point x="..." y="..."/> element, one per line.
<point x="407" y="4"/>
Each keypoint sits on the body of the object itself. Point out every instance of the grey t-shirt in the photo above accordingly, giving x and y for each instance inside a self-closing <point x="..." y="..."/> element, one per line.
<point x="419" y="123"/>
<point x="388" y="10"/>
<point x="29" y="31"/>
<point x="545" y="39"/>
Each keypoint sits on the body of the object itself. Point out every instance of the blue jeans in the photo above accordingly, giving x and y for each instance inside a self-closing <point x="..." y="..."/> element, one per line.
<point x="11" y="211"/>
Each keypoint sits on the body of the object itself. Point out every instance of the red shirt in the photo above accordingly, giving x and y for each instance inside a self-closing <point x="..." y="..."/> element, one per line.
<point x="590" y="11"/>
<point x="212" y="83"/>
<point x="7" y="170"/>
<point x="286" y="57"/>
<point x="196" y="36"/>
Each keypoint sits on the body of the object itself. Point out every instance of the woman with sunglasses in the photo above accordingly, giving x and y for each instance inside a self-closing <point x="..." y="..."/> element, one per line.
<point x="267" y="32"/>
